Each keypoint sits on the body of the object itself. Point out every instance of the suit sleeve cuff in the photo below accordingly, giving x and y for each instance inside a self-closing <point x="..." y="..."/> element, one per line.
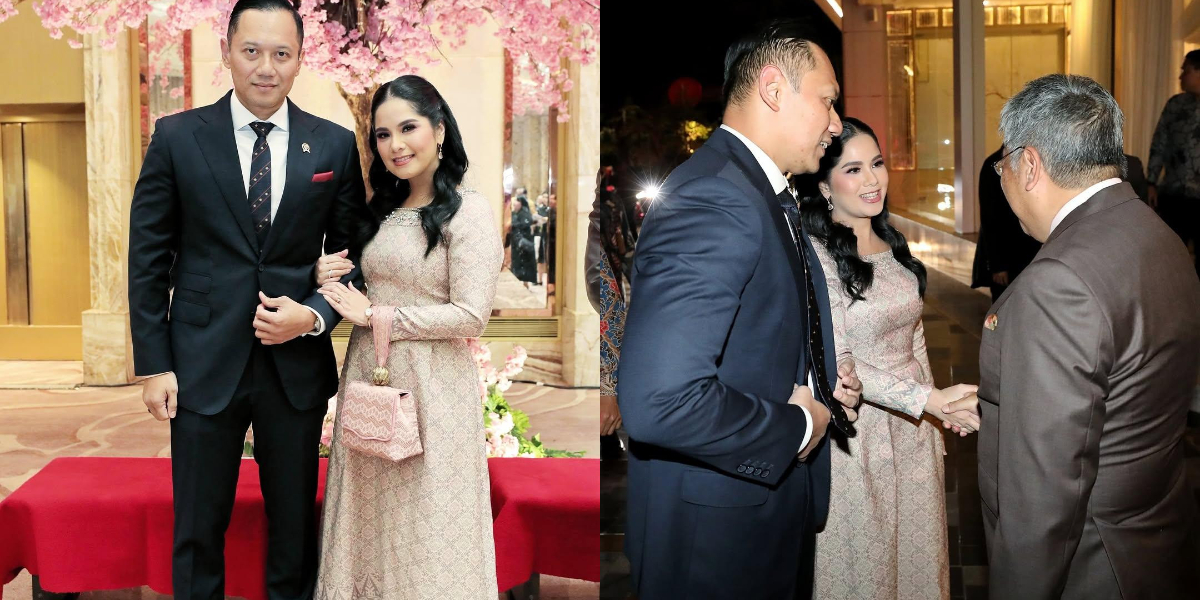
<point x="320" y="321"/>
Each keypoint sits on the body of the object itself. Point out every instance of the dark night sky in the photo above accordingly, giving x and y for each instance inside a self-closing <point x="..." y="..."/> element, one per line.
<point x="647" y="44"/>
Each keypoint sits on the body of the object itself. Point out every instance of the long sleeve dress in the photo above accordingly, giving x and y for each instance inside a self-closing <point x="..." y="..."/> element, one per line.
<point x="886" y="534"/>
<point x="420" y="528"/>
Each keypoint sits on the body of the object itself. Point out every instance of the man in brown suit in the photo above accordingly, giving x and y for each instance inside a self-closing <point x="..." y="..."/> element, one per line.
<point x="1087" y="364"/>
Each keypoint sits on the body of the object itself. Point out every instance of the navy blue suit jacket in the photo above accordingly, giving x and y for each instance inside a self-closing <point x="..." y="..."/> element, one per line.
<point x="714" y="340"/>
<point x="190" y="230"/>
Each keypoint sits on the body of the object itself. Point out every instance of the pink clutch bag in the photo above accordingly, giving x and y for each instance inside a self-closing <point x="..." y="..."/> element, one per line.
<point x="378" y="420"/>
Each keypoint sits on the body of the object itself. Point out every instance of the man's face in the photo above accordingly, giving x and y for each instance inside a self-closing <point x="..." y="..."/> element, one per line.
<point x="1189" y="79"/>
<point x="263" y="59"/>
<point x="809" y="117"/>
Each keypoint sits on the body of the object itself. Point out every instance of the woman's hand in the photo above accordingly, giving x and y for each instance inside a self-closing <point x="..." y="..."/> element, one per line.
<point x="332" y="267"/>
<point x="610" y="415"/>
<point x="347" y="301"/>
<point x="961" y="421"/>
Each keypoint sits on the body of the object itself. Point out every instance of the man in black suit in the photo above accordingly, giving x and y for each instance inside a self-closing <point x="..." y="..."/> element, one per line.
<point x="1004" y="249"/>
<point x="727" y="373"/>
<point x="229" y="212"/>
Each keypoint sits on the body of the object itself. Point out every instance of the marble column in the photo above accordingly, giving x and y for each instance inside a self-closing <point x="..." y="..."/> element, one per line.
<point x="111" y="156"/>
<point x="581" y="159"/>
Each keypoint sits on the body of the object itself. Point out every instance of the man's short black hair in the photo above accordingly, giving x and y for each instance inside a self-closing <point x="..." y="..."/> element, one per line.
<point x="1192" y="59"/>
<point x="264" y="5"/>
<point x="783" y="43"/>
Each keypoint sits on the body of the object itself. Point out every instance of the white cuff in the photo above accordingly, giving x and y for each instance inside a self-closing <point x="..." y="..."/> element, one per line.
<point x="320" y="322"/>
<point x="807" y="430"/>
<point x="807" y="415"/>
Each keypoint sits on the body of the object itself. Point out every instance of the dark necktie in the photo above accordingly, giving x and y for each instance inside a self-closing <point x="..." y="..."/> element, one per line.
<point x="816" y="347"/>
<point x="259" y="195"/>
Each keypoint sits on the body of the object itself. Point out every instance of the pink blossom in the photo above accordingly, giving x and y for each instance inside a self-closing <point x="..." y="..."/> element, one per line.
<point x="398" y="36"/>
<point x="505" y="446"/>
<point x="499" y="426"/>
<point x="327" y="434"/>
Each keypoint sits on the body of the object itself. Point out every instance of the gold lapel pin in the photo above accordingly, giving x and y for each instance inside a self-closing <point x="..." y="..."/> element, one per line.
<point x="304" y="147"/>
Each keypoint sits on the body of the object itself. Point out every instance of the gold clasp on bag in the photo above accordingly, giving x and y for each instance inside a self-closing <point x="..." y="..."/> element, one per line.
<point x="380" y="376"/>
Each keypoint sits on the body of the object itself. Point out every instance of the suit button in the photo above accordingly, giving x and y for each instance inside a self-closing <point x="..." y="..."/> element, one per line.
<point x="757" y="471"/>
<point x="261" y="268"/>
<point x="765" y="473"/>
<point x="741" y="468"/>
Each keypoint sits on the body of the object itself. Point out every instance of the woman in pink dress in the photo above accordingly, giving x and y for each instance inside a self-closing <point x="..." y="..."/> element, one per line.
<point x="886" y="533"/>
<point x="420" y="528"/>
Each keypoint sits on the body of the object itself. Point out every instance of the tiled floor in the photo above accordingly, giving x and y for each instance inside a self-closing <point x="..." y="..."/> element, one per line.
<point x="38" y="425"/>
<point x="953" y="316"/>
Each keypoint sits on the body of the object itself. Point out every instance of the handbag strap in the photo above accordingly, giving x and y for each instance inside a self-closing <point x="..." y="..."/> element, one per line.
<point x="381" y="329"/>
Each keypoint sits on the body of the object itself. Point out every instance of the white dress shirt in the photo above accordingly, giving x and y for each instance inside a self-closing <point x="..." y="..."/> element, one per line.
<point x="1078" y="201"/>
<point x="778" y="184"/>
<point x="277" y="139"/>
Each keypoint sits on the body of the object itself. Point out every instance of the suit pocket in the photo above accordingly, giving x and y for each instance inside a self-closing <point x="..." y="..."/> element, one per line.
<point x="194" y="282"/>
<point x="190" y="312"/>
<point x="707" y="488"/>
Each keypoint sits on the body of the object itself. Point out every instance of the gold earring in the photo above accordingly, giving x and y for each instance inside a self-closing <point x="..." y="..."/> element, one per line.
<point x="439" y="152"/>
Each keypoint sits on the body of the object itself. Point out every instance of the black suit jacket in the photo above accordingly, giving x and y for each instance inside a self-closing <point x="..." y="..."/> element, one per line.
<point x="714" y="341"/>
<point x="190" y="231"/>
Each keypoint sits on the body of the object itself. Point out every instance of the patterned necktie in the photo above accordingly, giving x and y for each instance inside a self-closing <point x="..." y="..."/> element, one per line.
<point x="816" y="347"/>
<point x="259" y="195"/>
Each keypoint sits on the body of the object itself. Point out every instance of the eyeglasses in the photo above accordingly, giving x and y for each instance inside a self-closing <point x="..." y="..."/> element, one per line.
<point x="996" y="165"/>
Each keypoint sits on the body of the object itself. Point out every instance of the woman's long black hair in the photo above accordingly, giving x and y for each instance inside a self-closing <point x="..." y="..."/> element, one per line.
<point x="855" y="273"/>
<point x="390" y="191"/>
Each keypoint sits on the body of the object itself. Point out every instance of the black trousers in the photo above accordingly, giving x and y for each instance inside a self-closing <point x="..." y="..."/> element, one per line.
<point x="205" y="458"/>
<point x="1181" y="214"/>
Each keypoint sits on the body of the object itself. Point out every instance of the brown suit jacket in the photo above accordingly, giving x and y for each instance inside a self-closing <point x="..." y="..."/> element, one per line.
<point x="1084" y="388"/>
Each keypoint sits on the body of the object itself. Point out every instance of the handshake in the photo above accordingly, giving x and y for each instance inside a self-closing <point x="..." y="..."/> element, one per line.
<point x="957" y="406"/>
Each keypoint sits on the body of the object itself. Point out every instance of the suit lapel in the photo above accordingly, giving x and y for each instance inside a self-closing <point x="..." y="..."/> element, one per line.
<point x="754" y="173"/>
<point x="299" y="172"/>
<point x="821" y="290"/>
<point x="219" y="149"/>
<point x="1105" y="198"/>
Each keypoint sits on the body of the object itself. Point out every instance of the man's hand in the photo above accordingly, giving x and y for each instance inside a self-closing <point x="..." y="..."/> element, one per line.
<point x="1000" y="278"/>
<point x="1152" y="196"/>
<point x="849" y="388"/>
<point x="610" y="415"/>
<point x="802" y="396"/>
<point x="281" y="319"/>
<point x="160" y="395"/>
<point x="966" y="410"/>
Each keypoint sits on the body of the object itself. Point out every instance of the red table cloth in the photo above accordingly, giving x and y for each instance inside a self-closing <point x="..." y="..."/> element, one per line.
<point x="92" y="523"/>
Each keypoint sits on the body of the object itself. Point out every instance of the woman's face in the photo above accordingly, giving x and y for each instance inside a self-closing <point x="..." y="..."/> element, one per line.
<point x="514" y="204"/>
<point x="859" y="182"/>
<point x="407" y="142"/>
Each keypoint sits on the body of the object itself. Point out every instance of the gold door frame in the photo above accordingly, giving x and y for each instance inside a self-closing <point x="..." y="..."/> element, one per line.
<point x="20" y="337"/>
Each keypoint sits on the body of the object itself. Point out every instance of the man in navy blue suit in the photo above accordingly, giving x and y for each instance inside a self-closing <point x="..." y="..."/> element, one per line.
<point x="728" y="378"/>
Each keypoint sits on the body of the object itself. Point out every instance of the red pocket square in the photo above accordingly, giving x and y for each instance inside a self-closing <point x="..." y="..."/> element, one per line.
<point x="319" y="177"/>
